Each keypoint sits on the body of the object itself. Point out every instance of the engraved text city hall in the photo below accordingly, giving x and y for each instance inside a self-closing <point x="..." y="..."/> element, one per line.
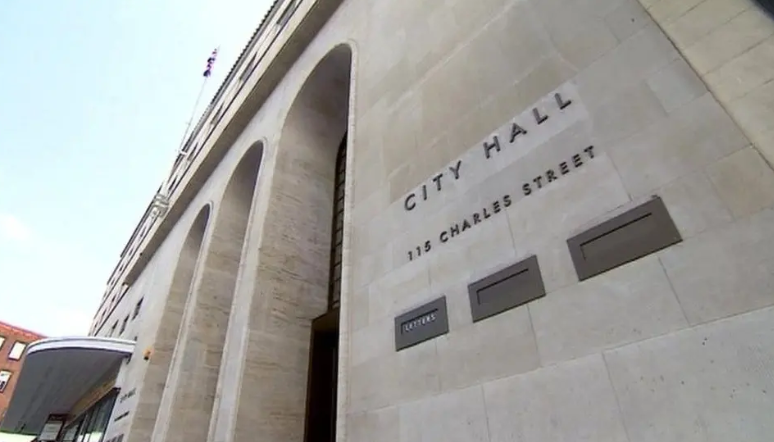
<point x="490" y="149"/>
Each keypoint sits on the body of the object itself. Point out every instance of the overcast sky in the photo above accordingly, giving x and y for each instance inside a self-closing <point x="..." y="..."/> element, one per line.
<point x="94" y="98"/>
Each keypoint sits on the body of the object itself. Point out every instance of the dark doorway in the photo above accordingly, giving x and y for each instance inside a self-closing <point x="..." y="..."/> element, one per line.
<point x="323" y="372"/>
<point x="324" y="348"/>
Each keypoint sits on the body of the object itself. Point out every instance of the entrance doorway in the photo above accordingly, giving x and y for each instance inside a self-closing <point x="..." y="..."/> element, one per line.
<point x="324" y="345"/>
<point x="323" y="374"/>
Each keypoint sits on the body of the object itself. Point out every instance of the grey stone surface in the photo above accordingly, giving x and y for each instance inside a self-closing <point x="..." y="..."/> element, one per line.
<point x="427" y="84"/>
<point x="570" y="401"/>
<point x="708" y="383"/>
<point x="496" y="347"/>
<point x="725" y="271"/>
<point x="744" y="181"/>
<point x="627" y="304"/>
<point x="456" y="416"/>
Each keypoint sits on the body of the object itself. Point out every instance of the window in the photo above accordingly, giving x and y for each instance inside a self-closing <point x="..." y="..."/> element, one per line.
<point x="287" y="13"/>
<point x="249" y="69"/>
<point x="123" y="324"/>
<point x="2" y="341"/>
<point x="113" y="328"/>
<point x="334" y="283"/>
<point x="137" y="308"/>
<point x="217" y="116"/>
<point x="17" y="350"/>
<point x="5" y="378"/>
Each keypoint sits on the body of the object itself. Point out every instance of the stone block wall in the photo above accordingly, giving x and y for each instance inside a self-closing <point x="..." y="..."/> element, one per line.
<point x="730" y="44"/>
<point x="668" y="347"/>
<point x="482" y="133"/>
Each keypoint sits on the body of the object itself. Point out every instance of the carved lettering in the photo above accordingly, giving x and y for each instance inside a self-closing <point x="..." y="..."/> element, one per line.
<point x="409" y="203"/>
<point x="517" y="130"/>
<point x="492" y="146"/>
<point x="539" y="118"/>
<point x="550" y="175"/>
<point x="456" y="169"/>
<point x="419" y="322"/>
<point x="561" y="102"/>
<point x="495" y="144"/>
<point x="437" y="181"/>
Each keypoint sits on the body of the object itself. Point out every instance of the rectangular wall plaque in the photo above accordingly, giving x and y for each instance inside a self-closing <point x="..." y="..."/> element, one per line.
<point x="640" y="231"/>
<point x="422" y="323"/>
<point x="509" y="288"/>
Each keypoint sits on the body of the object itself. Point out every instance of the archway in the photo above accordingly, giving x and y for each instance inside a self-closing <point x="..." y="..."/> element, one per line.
<point x="157" y="371"/>
<point x="187" y="405"/>
<point x="288" y="387"/>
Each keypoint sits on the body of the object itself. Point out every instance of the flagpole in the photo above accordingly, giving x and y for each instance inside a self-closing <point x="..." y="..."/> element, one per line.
<point x="198" y="98"/>
<point x="193" y="114"/>
<point x="162" y="198"/>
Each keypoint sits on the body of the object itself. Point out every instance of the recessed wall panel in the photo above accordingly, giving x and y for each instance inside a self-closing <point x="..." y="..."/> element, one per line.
<point x="509" y="288"/>
<point x="631" y="235"/>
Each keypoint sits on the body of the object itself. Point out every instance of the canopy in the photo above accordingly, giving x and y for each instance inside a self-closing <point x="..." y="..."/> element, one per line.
<point x="57" y="372"/>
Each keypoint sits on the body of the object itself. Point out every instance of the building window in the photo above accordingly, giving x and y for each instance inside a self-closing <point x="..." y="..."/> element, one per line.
<point x="123" y="324"/>
<point x="337" y="237"/>
<point x="5" y="378"/>
<point x="137" y="308"/>
<point x="17" y="350"/>
<point x="113" y="328"/>
<point x="287" y="13"/>
<point x="248" y="70"/>
<point x="2" y="341"/>
<point x="217" y="116"/>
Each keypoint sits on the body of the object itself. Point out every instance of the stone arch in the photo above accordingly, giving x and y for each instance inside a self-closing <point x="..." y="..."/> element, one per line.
<point x="294" y="263"/>
<point x="187" y="406"/>
<point x="158" y="365"/>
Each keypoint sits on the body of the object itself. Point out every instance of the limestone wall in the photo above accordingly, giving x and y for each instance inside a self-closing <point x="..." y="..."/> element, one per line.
<point x="730" y="43"/>
<point x="595" y="111"/>
<point x="670" y="347"/>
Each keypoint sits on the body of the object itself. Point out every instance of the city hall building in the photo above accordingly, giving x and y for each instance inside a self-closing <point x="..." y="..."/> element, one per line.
<point x="457" y="221"/>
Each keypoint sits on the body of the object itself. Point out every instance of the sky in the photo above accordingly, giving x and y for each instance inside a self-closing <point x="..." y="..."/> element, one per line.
<point x="94" y="101"/>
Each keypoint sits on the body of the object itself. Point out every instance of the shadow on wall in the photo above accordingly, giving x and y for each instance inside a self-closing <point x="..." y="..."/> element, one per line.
<point x="767" y="5"/>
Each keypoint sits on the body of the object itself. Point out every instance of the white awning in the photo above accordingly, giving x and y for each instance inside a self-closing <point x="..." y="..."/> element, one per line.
<point x="56" y="373"/>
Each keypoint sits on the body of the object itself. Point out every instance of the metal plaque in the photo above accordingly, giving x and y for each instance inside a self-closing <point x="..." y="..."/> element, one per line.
<point x="422" y="323"/>
<point x="509" y="288"/>
<point x="638" y="232"/>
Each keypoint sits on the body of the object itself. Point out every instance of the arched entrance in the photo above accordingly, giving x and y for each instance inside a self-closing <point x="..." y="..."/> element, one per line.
<point x="157" y="371"/>
<point x="187" y="405"/>
<point x="320" y="421"/>
<point x="288" y="384"/>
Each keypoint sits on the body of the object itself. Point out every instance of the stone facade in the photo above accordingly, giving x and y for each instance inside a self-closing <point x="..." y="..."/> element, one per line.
<point x="479" y="133"/>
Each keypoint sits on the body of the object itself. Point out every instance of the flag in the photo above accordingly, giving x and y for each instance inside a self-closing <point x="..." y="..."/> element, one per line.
<point x="211" y="62"/>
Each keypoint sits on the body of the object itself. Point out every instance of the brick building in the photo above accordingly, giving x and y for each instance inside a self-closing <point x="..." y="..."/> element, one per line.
<point x="13" y="343"/>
